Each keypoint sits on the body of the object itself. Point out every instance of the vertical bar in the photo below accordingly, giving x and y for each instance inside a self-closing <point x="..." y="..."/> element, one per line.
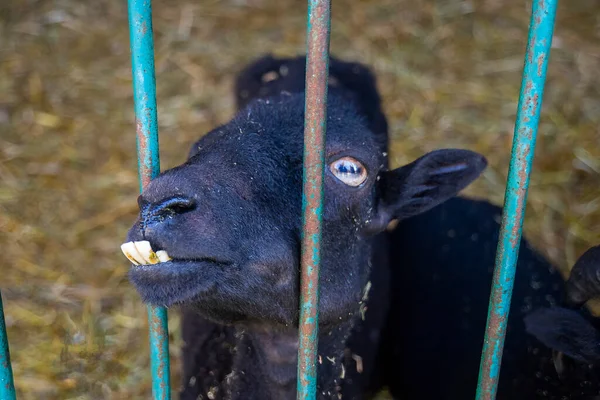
<point x="144" y="92"/>
<point x="317" y="71"/>
<point x="528" y="115"/>
<point x="7" y="385"/>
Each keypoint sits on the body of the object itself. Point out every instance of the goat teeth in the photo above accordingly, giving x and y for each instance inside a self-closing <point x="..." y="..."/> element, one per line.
<point x="145" y="250"/>
<point x="131" y="253"/>
<point x="141" y="253"/>
<point x="163" y="256"/>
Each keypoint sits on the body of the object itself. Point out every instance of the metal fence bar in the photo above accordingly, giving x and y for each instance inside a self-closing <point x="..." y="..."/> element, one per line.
<point x="144" y="92"/>
<point x="528" y="115"/>
<point x="7" y="385"/>
<point x="317" y="71"/>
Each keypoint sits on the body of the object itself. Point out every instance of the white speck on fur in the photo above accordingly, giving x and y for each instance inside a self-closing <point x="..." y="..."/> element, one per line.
<point x="359" y="363"/>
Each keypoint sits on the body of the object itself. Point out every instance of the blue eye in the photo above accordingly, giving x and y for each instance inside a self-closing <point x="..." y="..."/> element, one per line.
<point x="349" y="171"/>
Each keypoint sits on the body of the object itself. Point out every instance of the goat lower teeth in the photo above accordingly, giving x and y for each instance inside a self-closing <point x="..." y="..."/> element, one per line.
<point x="163" y="256"/>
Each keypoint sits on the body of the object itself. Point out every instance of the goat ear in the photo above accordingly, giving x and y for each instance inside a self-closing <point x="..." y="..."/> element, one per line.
<point x="566" y="331"/>
<point x="426" y="182"/>
<point x="250" y="80"/>
<point x="584" y="280"/>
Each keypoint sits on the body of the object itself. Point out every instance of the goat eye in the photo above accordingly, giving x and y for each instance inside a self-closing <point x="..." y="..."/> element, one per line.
<point x="349" y="171"/>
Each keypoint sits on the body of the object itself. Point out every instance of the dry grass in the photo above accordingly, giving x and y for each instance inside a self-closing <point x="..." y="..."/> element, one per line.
<point x="449" y="72"/>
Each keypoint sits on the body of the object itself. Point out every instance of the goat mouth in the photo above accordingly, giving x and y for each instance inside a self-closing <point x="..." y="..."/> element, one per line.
<point x="143" y="258"/>
<point x="164" y="281"/>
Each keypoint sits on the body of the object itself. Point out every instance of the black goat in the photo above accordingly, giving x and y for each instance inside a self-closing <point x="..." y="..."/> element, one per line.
<point x="230" y="220"/>
<point x="404" y="310"/>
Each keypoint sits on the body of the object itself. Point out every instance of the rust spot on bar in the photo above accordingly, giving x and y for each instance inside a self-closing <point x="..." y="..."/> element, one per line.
<point x="530" y="51"/>
<point x="540" y="64"/>
<point x="522" y="173"/>
<point x="145" y="165"/>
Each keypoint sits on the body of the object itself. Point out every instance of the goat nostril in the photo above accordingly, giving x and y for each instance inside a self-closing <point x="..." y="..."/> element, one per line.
<point x="173" y="206"/>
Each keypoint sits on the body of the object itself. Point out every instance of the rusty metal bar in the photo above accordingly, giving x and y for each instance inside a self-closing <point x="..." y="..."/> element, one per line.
<point x="317" y="71"/>
<point x="528" y="115"/>
<point x="144" y="92"/>
<point x="7" y="385"/>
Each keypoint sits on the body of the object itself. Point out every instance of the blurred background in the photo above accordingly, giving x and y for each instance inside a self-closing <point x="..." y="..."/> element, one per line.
<point x="449" y="72"/>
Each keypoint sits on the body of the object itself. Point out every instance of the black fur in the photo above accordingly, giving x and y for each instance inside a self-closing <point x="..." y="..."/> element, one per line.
<point x="584" y="280"/>
<point x="571" y="331"/>
<point x="441" y="281"/>
<point x="390" y="314"/>
<point x="566" y="331"/>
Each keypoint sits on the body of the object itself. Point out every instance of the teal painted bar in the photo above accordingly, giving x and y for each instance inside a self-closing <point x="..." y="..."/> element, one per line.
<point x="7" y="385"/>
<point x="144" y="92"/>
<point x="528" y="115"/>
<point x="317" y="71"/>
<point x="159" y="353"/>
